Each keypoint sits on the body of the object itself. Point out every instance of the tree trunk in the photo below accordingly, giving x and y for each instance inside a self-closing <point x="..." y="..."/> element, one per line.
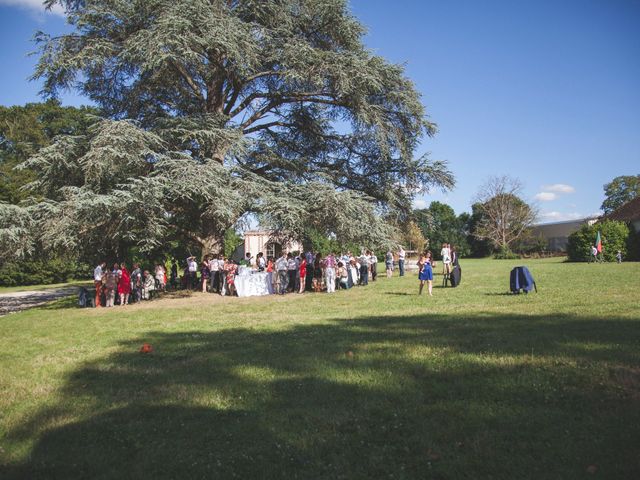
<point x="211" y="245"/>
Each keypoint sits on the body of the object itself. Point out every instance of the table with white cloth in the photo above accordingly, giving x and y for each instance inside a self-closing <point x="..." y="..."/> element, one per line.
<point x="254" y="284"/>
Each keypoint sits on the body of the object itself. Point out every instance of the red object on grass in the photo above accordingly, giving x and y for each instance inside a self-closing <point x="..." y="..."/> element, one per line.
<point x="146" y="348"/>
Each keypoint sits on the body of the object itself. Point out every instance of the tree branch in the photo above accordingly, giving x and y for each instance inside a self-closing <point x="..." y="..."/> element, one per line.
<point x="246" y="102"/>
<point x="189" y="79"/>
<point x="266" y="126"/>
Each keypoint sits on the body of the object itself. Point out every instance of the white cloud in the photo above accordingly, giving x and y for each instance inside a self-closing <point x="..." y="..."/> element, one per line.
<point x="33" y="6"/>
<point x="553" y="192"/>
<point x="545" y="196"/>
<point x="559" y="188"/>
<point x="419" y="203"/>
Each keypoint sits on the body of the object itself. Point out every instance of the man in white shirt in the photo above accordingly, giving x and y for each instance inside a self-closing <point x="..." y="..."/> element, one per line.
<point x="281" y="269"/>
<point x="214" y="268"/>
<point x="373" y="265"/>
<point x="98" y="272"/>
<point x="364" y="268"/>
<point x="446" y="259"/>
<point x="192" y="268"/>
<point x="292" y="268"/>
<point x="401" y="255"/>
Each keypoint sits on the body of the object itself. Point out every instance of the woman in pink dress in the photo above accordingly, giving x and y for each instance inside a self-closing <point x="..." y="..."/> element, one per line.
<point x="124" y="285"/>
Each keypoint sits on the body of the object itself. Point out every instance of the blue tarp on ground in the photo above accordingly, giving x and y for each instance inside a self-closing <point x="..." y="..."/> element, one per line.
<point x="521" y="279"/>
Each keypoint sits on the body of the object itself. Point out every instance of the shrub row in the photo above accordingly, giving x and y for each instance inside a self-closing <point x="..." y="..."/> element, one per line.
<point x="615" y="236"/>
<point x="37" y="272"/>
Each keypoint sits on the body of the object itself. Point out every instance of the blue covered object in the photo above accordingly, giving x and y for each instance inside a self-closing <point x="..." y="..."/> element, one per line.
<point x="521" y="279"/>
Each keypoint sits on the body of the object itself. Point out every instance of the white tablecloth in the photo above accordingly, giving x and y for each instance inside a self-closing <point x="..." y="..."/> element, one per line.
<point x="254" y="284"/>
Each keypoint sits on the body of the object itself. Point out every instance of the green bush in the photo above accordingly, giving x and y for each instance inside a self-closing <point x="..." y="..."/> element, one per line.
<point x="42" y="272"/>
<point x="323" y="244"/>
<point x="506" y="254"/>
<point x="614" y="235"/>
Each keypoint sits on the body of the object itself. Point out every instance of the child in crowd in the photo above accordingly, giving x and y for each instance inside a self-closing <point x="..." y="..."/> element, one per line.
<point x="149" y="285"/>
<point x="343" y="276"/>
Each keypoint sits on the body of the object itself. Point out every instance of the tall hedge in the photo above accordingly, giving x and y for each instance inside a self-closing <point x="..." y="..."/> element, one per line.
<point x="614" y="235"/>
<point x="42" y="271"/>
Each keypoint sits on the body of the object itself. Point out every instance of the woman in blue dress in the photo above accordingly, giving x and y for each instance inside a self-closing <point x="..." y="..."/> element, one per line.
<point x="426" y="272"/>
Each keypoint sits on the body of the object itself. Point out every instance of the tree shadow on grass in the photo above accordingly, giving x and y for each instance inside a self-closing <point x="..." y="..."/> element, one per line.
<point x="493" y="396"/>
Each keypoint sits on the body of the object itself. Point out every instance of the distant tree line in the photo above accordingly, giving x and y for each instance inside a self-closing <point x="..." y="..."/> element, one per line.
<point x="499" y="222"/>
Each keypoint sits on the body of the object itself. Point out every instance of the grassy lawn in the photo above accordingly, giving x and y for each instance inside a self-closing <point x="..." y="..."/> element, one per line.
<point x="374" y="382"/>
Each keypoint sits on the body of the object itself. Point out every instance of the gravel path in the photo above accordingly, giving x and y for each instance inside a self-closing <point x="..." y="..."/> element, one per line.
<point x="17" y="301"/>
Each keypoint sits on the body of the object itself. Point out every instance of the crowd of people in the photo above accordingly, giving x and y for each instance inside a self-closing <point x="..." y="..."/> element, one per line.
<point x="291" y="273"/>
<point x="120" y="286"/>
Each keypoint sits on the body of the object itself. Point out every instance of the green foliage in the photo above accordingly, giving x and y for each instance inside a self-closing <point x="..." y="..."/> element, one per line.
<point x="217" y="110"/>
<point x="505" y="254"/>
<point x="231" y="241"/>
<point x="478" y="248"/>
<point x="532" y="245"/>
<point x="319" y="242"/>
<point x="24" y="131"/>
<point x="619" y="191"/>
<point x="439" y="224"/>
<point x="42" y="272"/>
<point x="615" y="236"/>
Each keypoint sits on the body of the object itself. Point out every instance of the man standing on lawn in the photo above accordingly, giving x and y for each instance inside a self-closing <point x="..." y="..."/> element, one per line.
<point x="330" y="272"/>
<point x="364" y="268"/>
<point x="401" y="255"/>
<point x="97" y="281"/>
<point x="281" y="271"/>
<point x="192" y="268"/>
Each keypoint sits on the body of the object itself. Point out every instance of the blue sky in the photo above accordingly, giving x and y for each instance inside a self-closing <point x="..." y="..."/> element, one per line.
<point x="545" y="91"/>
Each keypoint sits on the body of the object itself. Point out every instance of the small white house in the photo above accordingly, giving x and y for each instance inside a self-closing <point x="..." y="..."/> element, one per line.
<point x="256" y="241"/>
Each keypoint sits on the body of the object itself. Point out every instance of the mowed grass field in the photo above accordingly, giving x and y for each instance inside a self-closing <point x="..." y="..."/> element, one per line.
<point x="374" y="382"/>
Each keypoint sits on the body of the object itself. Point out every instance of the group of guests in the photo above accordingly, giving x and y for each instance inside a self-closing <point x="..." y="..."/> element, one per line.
<point x="120" y="286"/>
<point x="216" y="273"/>
<point x="291" y="273"/>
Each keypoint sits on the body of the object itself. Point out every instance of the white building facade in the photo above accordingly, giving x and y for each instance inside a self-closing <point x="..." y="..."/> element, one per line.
<point x="256" y="241"/>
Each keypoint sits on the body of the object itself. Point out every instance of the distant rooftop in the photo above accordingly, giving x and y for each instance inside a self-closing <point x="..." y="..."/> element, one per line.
<point x="567" y="222"/>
